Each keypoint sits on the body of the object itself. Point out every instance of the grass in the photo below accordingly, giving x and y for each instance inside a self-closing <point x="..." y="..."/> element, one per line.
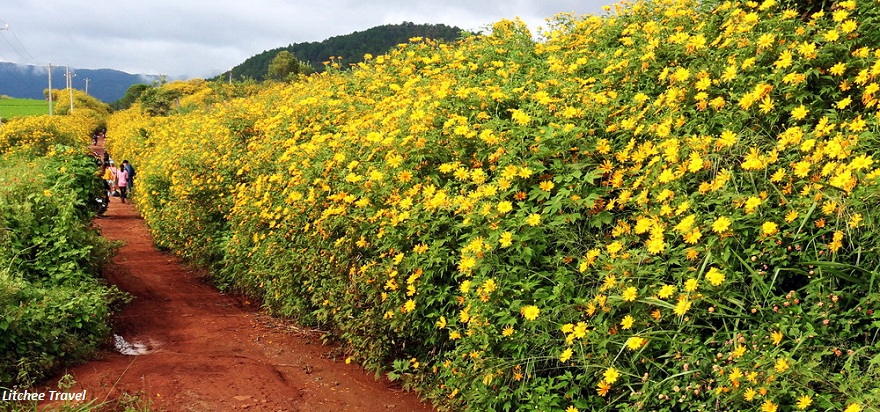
<point x="11" y="107"/>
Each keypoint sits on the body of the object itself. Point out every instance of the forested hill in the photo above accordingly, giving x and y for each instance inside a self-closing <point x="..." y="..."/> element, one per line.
<point x="351" y="47"/>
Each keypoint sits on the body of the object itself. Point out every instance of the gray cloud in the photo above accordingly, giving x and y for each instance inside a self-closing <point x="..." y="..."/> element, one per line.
<point x="203" y="38"/>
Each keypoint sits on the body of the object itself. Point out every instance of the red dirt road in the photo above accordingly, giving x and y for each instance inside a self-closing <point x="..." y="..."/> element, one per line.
<point x="212" y="352"/>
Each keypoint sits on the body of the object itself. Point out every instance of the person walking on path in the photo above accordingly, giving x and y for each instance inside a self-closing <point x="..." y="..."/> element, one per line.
<point x="110" y="177"/>
<point x="122" y="183"/>
<point x="131" y="174"/>
<point x="115" y="185"/>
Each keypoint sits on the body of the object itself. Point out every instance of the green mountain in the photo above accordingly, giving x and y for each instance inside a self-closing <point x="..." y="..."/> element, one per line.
<point x="351" y="47"/>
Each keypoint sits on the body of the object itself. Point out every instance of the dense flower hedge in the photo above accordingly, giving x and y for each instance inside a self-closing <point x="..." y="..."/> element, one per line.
<point x="54" y="311"/>
<point x="670" y="207"/>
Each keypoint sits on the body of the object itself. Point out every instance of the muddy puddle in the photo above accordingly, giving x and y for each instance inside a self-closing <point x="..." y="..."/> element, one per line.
<point x="134" y="347"/>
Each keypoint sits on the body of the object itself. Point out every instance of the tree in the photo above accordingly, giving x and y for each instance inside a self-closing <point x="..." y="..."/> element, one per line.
<point x="281" y="65"/>
<point x="158" y="101"/>
<point x="131" y="95"/>
<point x="285" y="66"/>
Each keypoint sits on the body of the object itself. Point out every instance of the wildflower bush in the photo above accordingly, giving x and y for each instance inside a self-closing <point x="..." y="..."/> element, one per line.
<point x="669" y="207"/>
<point x="37" y="134"/>
<point x="53" y="310"/>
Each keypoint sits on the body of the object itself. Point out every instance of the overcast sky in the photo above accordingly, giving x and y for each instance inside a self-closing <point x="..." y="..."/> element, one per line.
<point x="203" y="38"/>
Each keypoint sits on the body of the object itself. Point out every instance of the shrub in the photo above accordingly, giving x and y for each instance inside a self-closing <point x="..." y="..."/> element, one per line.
<point x="53" y="310"/>
<point x="664" y="208"/>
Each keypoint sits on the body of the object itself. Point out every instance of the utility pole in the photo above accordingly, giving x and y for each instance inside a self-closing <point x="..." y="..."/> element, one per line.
<point x="50" y="90"/>
<point x="230" y="75"/>
<point x="87" y="85"/>
<point x="70" y="89"/>
<point x="6" y="27"/>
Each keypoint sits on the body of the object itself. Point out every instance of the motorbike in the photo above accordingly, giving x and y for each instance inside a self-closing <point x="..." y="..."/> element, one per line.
<point x="101" y="203"/>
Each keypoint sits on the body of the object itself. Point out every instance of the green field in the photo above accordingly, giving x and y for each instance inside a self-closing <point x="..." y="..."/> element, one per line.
<point x="10" y="107"/>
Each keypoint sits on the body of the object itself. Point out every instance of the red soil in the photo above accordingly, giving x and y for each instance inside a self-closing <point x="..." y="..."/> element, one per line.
<point x="209" y="351"/>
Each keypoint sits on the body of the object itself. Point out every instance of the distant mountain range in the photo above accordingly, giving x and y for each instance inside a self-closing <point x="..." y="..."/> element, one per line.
<point x="29" y="82"/>
<point x="110" y="85"/>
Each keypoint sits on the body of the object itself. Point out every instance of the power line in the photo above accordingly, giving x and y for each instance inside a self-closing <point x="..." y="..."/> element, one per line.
<point x="18" y="50"/>
<point x="33" y="60"/>
<point x="5" y="27"/>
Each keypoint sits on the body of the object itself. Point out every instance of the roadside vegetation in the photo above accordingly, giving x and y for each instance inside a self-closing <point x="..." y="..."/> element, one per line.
<point x="670" y="207"/>
<point x="54" y="309"/>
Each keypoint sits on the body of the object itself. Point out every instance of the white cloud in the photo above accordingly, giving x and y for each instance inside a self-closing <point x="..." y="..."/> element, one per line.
<point x="203" y="38"/>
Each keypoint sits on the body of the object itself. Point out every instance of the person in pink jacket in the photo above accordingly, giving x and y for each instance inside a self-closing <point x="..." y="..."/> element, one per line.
<point x="122" y="182"/>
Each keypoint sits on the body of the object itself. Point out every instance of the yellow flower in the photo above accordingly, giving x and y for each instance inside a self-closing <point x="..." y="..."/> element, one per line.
<point x="571" y="408"/>
<point x="776" y="336"/>
<point x="530" y="312"/>
<point x="752" y="203"/>
<point x="504" y="207"/>
<point x="635" y="342"/>
<point x="769" y="228"/>
<point x="853" y="407"/>
<point x="465" y="286"/>
<point x="453" y="335"/>
<point x="566" y="355"/>
<point x="546" y="185"/>
<point x="799" y="113"/>
<point x="808" y="50"/>
<point x="409" y="306"/>
<point x="655" y="245"/>
<point x="666" y="291"/>
<point x="855" y="220"/>
<point x="682" y="306"/>
<point x="611" y="375"/>
<point x="804" y="402"/>
<point x="703" y="83"/>
<point x="715" y="276"/>
<point x="749" y="394"/>
<point x="534" y="219"/>
<point x="681" y="74"/>
<point x="784" y="60"/>
<point x="693" y="236"/>
<point x="685" y="224"/>
<point x="735" y="375"/>
<point x="614" y="247"/>
<point x="690" y="285"/>
<point x="602" y="388"/>
<point x="721" y="224"/>
<point x="506" y="239"/>
<point x="441" y="323"/>
<point x="781" y="365"/>
<point x="739" y="351"/>
<point x="466" y="264"/>
<point x="630" y="294"/>
<point x="766" y="40"/>
<point x="507" y="331"/>
<point x="768" y="406"/>
<point x="627" y="322"/>
<point x="778" y="176"/>
<point x="521" y="117"/>
<point x="695" y="162"/>
<point x="862" y="162"/>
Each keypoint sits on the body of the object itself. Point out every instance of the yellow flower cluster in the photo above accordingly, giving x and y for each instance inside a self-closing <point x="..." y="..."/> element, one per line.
<point x="37" y="134"/>
<point x="618" y="207"/>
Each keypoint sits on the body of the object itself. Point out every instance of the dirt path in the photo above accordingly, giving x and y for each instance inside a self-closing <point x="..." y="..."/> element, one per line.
<point x="205" y="351"/>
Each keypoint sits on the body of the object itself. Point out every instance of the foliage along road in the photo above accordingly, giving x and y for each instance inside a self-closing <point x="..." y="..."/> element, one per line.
<point x="201" y="350"/>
